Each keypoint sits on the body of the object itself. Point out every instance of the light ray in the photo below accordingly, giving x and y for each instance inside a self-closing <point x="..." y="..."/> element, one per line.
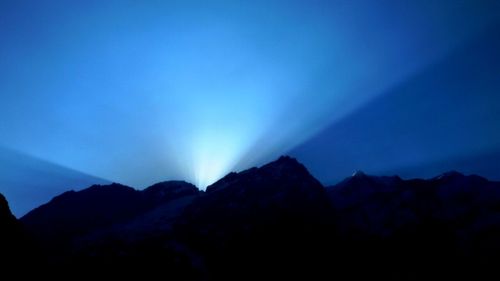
<point x="153" y="91"/>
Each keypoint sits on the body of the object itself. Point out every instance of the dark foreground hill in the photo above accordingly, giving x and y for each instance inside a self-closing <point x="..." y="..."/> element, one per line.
<point x="275" y="221"/>
<point x="15" y="248"/>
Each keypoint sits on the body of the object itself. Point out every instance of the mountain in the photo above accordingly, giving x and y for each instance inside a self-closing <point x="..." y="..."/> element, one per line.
<point x="382" y="205"/>
<point x="422" y="227"/>
<point x="13" y="243"/>
<point x="276" y="221"/>
<point x="8" y="223"/>
<point x="74" y="214"/>
<point x="255" y="220"/>
<point x="6" y="217"/>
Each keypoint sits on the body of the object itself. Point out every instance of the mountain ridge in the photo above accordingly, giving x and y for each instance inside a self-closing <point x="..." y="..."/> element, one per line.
<point x="269" y="219"/>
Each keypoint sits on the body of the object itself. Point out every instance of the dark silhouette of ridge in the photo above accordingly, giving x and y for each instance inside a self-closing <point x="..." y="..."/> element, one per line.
<point x="8" y="226"/>
<point x="273" y="221"/>
<point x="14" y="245"/>
<point x="73" y="214"/>
<point x="6" y="216"/>
<point x="256" y="216"/>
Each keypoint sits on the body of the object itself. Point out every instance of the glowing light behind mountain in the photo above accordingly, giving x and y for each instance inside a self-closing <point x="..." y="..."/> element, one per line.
<point x="138" y="92"/>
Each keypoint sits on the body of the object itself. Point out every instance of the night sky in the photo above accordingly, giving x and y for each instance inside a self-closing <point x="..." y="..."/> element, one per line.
<point x="143" y="91"/>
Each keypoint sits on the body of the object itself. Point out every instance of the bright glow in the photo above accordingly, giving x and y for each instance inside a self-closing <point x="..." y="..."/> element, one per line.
<point x="215" y="153"/>
<point x="145" y="92"/>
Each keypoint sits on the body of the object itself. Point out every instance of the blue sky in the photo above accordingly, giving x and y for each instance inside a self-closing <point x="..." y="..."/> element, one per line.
<point x="142" y="91"/>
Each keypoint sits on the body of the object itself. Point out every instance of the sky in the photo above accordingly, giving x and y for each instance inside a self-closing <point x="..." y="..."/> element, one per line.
<point x="445" y="117"/>
<point x="142" y="91"/>
<point x="28" y="182"/>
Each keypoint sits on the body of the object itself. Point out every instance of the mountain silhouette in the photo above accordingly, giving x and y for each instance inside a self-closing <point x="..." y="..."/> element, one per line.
<point x="8" y="223"/>
<point x="14" y="246"/>
<point x="256" y="217"/>
<point x="275" y="221"/>
<point x="74" y="214"/>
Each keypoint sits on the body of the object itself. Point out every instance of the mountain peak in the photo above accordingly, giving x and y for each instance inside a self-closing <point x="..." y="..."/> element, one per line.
<point x="168" y="190"/>
<point x="285" y="168"/>
<point x="286" y="165"/>
<point x="449" y="175"/>
<point x="286" y="159"/>
<point x="5" y="212"/>
<point x="169" y="186"/>
<point x="110" y="186"/>
<point x="359" y="173"/>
